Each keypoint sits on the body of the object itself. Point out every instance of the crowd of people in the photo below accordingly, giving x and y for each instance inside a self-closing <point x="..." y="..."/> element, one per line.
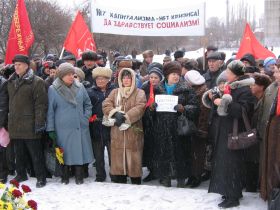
<point x="83" y="107"/>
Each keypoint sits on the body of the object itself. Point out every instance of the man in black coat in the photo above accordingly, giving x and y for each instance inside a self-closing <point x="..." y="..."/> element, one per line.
<point x="4" y="104"/>
<point x="214" y="63"/>
<point x="89" y="59"/>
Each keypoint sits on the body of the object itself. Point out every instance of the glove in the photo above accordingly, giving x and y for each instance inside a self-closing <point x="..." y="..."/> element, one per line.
<point x="153" y="106"/>
<point x="120" y="119"/>
<point x="52" y="135"/>
<point x="179" y="108"/>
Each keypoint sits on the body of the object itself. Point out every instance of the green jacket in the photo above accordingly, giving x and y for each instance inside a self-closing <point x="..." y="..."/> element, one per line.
<point x="28" y="103"/>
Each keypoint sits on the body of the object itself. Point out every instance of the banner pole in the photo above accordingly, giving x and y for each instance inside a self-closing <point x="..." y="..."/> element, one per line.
<point x="63" y="49"/>
<point x="204" y="40"/>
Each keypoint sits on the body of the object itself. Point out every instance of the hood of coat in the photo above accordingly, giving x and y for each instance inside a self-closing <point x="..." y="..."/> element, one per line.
<point x="27" y="77"/>
<point x="133" y="84"/>
<point x="242" y="82"/>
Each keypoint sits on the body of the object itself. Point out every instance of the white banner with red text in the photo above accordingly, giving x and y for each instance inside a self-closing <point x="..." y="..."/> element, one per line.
<point x="183" y="21"/>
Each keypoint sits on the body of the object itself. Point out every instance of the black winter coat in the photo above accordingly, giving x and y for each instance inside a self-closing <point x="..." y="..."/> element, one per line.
<point x="228" y="173"/>
<point x="98" y="131"/>
<point x="88" y="74"/>
<point x="172" y="156"/>
<point x="4" y="102"/>
<point x="211" y="78"/>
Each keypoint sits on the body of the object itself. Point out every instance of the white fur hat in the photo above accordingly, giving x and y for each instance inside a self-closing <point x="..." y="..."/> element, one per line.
<point x="193" y="77"/>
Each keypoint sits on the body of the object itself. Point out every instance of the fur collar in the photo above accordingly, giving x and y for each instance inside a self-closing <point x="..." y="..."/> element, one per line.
<point x="68" y="93"/>
<point x="242" y="82"/>
<point x="181" y="87"/>
<point x="27" y="77"/>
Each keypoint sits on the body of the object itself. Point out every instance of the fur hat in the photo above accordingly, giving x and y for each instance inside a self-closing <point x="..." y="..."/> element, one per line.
<point x="80" y="73"/>
<point x="193" y="77"/>
<point x="148" y="53"/>
<point x="158" y="72"/>
<point x="102" y="72"/>
<point x="89" y="56"/>
<point x="214" y="56"/>
<point x="155" y="64"/>
<point x="70" y="57"/>
<point x="212" y="48"/>
<point x="172" y="67"/>
<point x="125" y="64"/>
<point x="22" y="59"/>
<point x="179" y="54"/>
<point x="65" y="68"/>
<point x="249" y="58"/>
<point x="237" y="67"/>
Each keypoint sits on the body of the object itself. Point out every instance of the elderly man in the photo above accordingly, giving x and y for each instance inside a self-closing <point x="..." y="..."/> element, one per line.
<point x="27" y="112"/>
<point x="214" y="69"/>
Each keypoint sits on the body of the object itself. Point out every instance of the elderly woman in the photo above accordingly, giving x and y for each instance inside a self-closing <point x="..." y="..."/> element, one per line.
<point x="100" y="134"/>
<point x="228" y="172"/>
<point x="172" y="157"/>
<point x="155" y="77"/>
<point x="126" y="105"/>
<point x="68" y="121"/>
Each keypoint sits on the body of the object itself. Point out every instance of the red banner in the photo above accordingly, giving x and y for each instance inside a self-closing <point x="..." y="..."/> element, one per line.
<point x="21" y="36"/>
<point x="79" y="39"/>
<point x="250" y="44"/>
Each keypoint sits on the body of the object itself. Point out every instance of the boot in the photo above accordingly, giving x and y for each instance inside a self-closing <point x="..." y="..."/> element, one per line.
<point x="229" y="203"/>
<point x="195" y="183"/>
<point x="205" y="176"/>
<point x="136" y="180"/>
<point x="79" y="175"/>
<point x="41" y="183"/>
<point x="166" y="182"/>
<point x="150" y="177"/>
<point x="86" y="174"/>
<point x="180" y="183"/>
<point x="190" y="181"/>
<point x="65" y="175"/>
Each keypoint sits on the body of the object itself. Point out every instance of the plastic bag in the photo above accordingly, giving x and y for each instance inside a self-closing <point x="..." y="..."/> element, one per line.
<point x="4" y="137"/>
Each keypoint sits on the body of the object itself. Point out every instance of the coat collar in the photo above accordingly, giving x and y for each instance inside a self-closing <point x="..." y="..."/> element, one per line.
<point x="181" y="87"/>
<point x="27" y="77"/>
<point x="242" y="82"/>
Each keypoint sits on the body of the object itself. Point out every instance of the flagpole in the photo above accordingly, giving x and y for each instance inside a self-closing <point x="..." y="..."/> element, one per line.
<point x="63" y="49"/>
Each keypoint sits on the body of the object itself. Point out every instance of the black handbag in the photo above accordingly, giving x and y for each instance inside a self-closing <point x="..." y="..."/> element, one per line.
<point x="52" y="164"/>
<point x="274" y="200"/>
<point x="185" y="126"/>
<point x="239" y="141"/>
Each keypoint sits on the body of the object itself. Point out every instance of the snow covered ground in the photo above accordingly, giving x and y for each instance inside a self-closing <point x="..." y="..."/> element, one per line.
<point x="109" y="196"/>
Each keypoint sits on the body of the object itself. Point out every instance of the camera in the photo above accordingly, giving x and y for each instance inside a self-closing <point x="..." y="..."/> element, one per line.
<point x="216" y="93"/>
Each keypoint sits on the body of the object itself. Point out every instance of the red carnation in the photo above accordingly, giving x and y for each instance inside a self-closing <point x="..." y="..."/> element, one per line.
<point x="32" y="204"/>
<point x="15" y="183"/>
<point x="92" y="118"/>
<point x="16" y="193"/>
<point x="25" y="188"/>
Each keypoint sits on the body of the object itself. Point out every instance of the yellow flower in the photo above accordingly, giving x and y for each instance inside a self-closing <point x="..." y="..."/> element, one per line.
<point x="59" y="155"/>
<point x="11" y="189"/>
<point x="2" y="186"/>
<point x="5" y="205"/>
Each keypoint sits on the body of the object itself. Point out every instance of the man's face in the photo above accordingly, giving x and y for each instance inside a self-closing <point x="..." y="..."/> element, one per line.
<point x="214" y="65"/>
<point x="149" y="60"/>
<point x="21" y="68"/>
<point x="89" y="64"/>
<point x="277" y="75"/>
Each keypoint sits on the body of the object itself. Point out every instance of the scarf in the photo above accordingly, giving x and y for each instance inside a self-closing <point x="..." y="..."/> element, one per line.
<point x="68" y="93"/>
<point x="169" y="88"/>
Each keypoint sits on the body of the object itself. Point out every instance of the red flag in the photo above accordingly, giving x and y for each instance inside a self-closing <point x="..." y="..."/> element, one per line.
<point x="79" y="38"/>
<point x="152" y="96"/>
<point x="250" y="44"/>
<point x="21" y="36"/>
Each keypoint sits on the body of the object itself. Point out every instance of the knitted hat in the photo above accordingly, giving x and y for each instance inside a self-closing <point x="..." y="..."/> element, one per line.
<point x="267" y="62"/>
<point x="237" y="67"/>
<point x="158" y="72"/>
<point x="155" y="64"/>
<point x="22" y="59"/>
<point x="102" y="72"/>
<point x="193" y="77"/>
<point x="80" y="73"/>
<point x="172" y="67"/>
<point x="64" y="69"/>
<point x="148" y="53"/>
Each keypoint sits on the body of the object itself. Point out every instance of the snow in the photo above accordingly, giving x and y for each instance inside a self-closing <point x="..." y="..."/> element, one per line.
<point x="108" y="196"/>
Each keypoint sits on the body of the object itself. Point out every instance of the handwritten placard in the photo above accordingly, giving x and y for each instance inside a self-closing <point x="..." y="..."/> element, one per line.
<point x="166" y="103"/>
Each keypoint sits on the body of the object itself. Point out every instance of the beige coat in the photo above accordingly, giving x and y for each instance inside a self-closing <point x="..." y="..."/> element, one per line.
<point x="126" y="146"/>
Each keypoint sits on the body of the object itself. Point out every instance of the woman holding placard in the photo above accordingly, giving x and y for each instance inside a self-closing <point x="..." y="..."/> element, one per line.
<point x="172" y="157"/>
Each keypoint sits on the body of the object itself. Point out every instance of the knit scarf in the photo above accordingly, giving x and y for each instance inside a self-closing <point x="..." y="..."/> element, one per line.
<point x="169" y="88"/>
